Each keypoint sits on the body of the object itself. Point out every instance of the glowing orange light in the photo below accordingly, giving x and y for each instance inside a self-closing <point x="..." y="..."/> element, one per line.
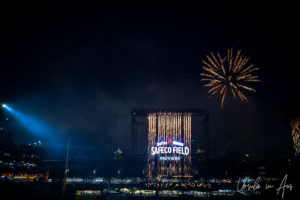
<point x="228" y="73"/>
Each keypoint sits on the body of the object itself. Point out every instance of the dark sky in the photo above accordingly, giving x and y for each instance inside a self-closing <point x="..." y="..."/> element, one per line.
<point x="82" y="68"/>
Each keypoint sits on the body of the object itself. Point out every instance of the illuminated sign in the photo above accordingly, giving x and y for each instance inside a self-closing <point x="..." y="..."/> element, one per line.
<point x="169" y="158"/>
<point x="176" y="148"/>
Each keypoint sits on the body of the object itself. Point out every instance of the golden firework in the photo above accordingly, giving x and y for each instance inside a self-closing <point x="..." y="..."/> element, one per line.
<point x="161" y="127"/>
<point x="295" y="124"/>
<point x="228" y="73"/>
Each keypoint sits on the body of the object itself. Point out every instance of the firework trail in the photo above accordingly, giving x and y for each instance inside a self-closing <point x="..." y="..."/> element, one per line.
<point x="230" y="73"/>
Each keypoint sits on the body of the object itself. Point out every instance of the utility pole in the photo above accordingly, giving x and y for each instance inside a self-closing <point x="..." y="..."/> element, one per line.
<point x="66" y="168"/>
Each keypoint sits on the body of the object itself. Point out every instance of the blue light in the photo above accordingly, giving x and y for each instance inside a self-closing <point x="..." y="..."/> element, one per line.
<point x="169" y="158"/>
<point x="161" y="143"/>
<point x="6" y="107"/>
<point x="30" y="123"/>
<point x="178" y="143"/>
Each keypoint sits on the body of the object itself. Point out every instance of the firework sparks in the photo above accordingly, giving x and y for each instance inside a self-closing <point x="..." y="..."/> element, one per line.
<point x="174" y="126"/>
<point x="295" y="124"/>
<point x="230" y="73"/>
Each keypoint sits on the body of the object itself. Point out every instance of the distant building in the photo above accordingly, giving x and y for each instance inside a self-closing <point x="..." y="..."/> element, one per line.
<point x="118" y="154"/>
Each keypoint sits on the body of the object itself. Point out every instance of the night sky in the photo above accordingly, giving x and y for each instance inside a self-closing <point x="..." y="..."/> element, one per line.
<point x="82" y="68"/>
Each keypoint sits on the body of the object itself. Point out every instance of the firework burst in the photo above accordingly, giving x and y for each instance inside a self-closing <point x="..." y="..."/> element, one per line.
<point x="230" y="73"/>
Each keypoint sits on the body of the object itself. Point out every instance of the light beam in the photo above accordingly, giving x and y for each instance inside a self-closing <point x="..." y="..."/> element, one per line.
<point x="30" y="123"/>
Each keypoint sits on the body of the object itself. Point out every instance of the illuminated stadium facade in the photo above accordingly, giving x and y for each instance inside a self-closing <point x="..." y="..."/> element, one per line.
<point x="169" y="138"/>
